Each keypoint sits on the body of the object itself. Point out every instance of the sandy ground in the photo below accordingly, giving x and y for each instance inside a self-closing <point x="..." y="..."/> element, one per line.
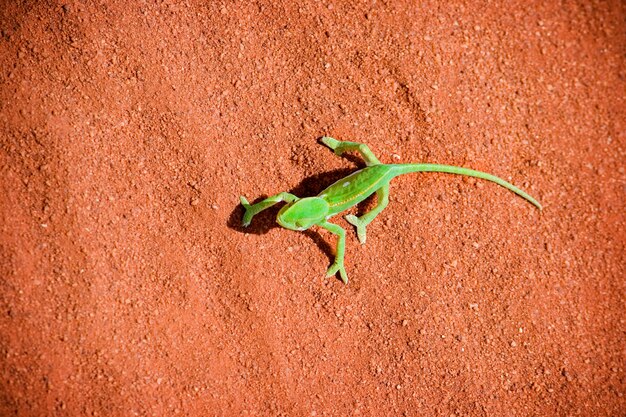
<point x="128" y="131"/>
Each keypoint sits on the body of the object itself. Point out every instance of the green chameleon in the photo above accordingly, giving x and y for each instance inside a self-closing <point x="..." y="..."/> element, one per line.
<point x="302" y="213"/>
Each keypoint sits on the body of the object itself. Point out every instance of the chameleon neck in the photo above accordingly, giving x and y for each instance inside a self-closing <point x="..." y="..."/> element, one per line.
<point x="401" y="169"/>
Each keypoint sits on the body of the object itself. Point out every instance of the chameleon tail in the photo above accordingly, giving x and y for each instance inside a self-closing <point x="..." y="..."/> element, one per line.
<point x="408" y="168"/>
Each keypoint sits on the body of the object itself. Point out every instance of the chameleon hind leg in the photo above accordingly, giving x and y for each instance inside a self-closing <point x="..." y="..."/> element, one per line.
<point x="341" y="147"/>
<point x="254" y="209"/>
<point x="337" y="265"/>
<point x="382" y="194"/>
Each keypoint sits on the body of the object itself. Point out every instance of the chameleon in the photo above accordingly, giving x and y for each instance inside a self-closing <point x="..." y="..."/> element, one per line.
<point x="302" y="213"/>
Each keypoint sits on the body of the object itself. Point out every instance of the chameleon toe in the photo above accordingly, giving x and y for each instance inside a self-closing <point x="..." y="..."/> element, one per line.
<point x="336" y="267"/>
<point x="244" y="201"/>
<point x="330" y="142"/>
<point x="352" y="219"/>
<point x="360" y="227"/>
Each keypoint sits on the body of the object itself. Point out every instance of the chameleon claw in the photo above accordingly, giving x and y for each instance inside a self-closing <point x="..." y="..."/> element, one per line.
<point x="337" y="267"/>
<point x="360" y="227"/>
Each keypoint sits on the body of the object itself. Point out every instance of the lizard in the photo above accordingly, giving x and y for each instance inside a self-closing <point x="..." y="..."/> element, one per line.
<point x="302" y="213"/>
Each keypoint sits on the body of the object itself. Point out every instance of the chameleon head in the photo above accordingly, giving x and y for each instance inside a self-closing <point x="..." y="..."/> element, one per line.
<point x="303" y="213"/>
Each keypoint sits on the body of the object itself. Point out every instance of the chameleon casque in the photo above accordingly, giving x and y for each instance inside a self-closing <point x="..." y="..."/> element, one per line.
<point x="302" y="213"/>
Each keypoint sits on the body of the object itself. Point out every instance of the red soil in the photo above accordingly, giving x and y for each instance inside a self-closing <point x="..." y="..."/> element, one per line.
<point x="129" y="130"/>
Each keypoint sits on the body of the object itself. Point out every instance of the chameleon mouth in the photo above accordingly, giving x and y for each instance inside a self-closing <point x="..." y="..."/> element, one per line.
<point x="286" y="225"/>
<point x="297" y="226"/>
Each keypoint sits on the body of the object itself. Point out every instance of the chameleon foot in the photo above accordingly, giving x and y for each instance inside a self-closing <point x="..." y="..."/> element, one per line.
<point x="360" y="227"/>
<point x="247" y="216"/>
<point x="337" y="267"/>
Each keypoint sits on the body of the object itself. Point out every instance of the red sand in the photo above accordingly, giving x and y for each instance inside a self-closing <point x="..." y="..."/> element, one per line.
<point x="129" y="130"/>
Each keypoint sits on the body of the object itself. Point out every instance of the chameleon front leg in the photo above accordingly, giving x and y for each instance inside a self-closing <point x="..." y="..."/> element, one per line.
<point x="382" y="194"/>
<point x="341" y="147"/>
<point x="254" y="209"/>
<point x="337" y="265"/>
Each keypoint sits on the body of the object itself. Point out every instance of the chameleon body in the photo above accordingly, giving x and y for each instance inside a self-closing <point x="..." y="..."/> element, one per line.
<point x="303" y="213"/>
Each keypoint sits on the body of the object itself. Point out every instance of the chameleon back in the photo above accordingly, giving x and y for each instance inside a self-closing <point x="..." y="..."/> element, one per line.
<point x="356" y="187"/>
